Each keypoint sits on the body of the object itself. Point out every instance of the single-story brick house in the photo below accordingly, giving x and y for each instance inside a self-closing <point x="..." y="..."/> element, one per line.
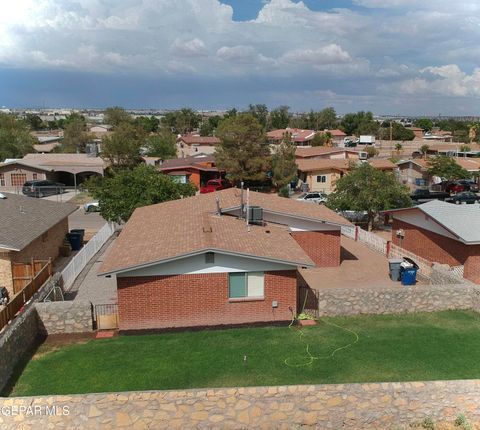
<point x="321" y="174"/>
<point x="13" y="174"/>
<point x="30" y="229"/>
<point x="196" y="261"/>
<point x="441" y="232"/>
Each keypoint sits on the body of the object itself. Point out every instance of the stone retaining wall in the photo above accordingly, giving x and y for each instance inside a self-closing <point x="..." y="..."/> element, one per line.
<point x="391" y="300"/>
<point x="442" y="275"/>
<point x="348" y="406"/>
<point x="64" y="317"/>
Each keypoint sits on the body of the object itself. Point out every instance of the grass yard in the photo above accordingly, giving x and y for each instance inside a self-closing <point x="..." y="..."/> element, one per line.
<point x="427" y="346"/>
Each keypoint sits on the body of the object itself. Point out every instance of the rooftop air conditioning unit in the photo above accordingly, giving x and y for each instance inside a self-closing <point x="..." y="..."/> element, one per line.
<point x="362" y="155"/>
<point x="255" y="215"/>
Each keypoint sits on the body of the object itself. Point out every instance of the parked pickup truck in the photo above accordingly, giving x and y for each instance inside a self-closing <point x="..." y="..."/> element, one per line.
<point x="422" y="195"/>
<point x="215" y="185"/>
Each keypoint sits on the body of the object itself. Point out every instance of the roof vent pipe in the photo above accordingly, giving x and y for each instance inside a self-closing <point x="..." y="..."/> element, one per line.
<point x="219" y="210"/>
<point x="242" y="209"/>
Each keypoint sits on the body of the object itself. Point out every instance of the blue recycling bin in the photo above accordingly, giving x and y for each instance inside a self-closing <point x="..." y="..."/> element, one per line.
<point x="409" y="276"/>
<point x="75" y="240"/>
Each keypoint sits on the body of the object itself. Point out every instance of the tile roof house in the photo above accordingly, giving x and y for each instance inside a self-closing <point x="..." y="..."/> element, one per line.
<point x="297" y="136"/>
<point x="321" y="174"/>
<point x="195" y="169"/>
<point x="441" y="232"/>
<point x="326" y="152"/>
<point x="209" y="268"/>
<point x="30" y="229"/>
<point x="191" y="144"/>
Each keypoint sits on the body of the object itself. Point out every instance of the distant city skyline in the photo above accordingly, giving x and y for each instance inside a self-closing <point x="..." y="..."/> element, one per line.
<point x="398" y="56"/>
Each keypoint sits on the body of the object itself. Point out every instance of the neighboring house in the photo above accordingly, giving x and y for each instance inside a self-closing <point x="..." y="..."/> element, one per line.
<point x="195" y="169"/>
<point x="338" y="136"/>
<point x="30" y="229"/>
<point x="454" y="149"/>
<point x="297" y="136"/>
<point x="417" y="131"/>
<point x="191" y="144"/>
<point x="441" y="232"/>
<point x="152" y="161"/>
<point x="101" y="130"/>
<point x="13" y="174"/>
<point x="321" y="174"/>
<point x="211" y="268"/>
<point x="414" y="173"/>
<point x="328" y="152"/>
<point x="69" y="169"/>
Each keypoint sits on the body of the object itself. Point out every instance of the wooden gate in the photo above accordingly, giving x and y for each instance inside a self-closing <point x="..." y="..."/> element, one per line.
<point x="308" y="301"/>
<point x="106" y="316"/>
<point x="23" y="273"/>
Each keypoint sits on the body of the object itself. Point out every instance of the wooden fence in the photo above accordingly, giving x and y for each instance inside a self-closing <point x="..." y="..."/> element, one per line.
<point x="23" y="273"/>
<point x="18" y="301"/>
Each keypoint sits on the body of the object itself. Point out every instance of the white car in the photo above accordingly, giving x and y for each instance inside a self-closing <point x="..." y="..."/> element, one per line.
<point x="91" y="207"/>
<point x="313" y="197"/>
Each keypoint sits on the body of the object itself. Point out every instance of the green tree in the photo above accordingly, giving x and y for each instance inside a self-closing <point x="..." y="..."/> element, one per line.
<point x="34" y="121"/>
<point x="182" y="121"/>
<point x="399" y="132"/>
<point x="243" y="151"/>
<point x="208" y="127"/>
<point x="425" y="124"/>
<point x="465" y="148"/>
<point x="424" y="150"/>
<point x="260" y="112"/>
<point x="127" y="189"/>
<point x="359" y="123"/>
<point x="75" y="137"/>
<point x="122" y="147"/>
<point x="162" y="145"/>
<point x="368" y="189"/>
<point x="116" y="115"/>
<point x="284" y="168"/>
<point x="280" y="117"/>
<point x="321" y="139"/>
<point x="15" y="139"/>
<point x="149" y="124"/>
<point x="327" y="119"/>
<point x="446" y="168"/>
<point x="371" y="151"/>
<point x="398" y="147"/>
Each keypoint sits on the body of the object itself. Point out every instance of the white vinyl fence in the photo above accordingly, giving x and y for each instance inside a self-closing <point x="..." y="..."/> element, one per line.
<point x="80" y="260"/>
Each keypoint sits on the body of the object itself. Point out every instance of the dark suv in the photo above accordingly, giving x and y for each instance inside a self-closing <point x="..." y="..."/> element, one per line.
<point x="42" y="188"/>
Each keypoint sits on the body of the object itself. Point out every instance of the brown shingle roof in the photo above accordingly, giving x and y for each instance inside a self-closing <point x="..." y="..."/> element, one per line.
<point x="320" y="150"/>
<point x="311" y="164"/>
<point x="24" y="219"/>
<point x="182" y="227"/>
<point x="190" y="139"/>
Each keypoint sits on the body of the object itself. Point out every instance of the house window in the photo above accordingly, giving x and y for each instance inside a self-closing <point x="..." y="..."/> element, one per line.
<point x="321" y="178"/>
<point x="2" y="180"/>
<point x="34" y="176"/>
<point x="241" y="285"/>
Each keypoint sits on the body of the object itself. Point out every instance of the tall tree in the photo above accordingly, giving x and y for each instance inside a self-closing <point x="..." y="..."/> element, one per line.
<point x="149" y="124"/>
<point x="116" y="115"/>
<point x="122" y="147"/>
<point x="243" y="151"/>
<point x="280" y="117"/>
<point x="15" y="139"/>
<point x="359" y="123"/>
<point x="162" y="145"/>
<point x="182" y="121"/>
<point x="368" y="189"/>
<point x="446" y="168"/>
<point x="322" y="139"/>
<point x="75" y="137"/>
<point x="326" y="119"/>
<point x="34" y="121"/>
<point x="127" y="189"/>
<point x="425" y="124"/>
<point x="284" y="168"/>
<point x="399" y="132"/>
<point x="260" y="112"/>
<point x="424" y="150"/>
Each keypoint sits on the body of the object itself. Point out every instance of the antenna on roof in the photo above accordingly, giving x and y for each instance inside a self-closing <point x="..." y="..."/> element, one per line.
<point x="247" y="217"/>
<point x="241" y="200"/>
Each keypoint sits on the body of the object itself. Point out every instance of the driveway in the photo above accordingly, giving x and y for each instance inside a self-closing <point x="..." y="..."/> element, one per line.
<point x="360" y="267"/>
<point x="91" y="222"/>
<point x="65" y="197"/>
<point x="96" y="289"/>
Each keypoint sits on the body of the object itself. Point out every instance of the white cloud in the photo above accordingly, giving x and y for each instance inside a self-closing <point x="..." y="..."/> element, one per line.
<point x="189" y="48"/>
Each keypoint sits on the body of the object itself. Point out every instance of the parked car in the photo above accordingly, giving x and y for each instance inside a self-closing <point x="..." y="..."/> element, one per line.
<point x="215" y="185"/>
<point x="350" y="144"/>
<point x="422" y="195"/>
<point x="313" y="197"/>
<point x="42" y="188"/>
<point x="91" y="207"/>
<point x="464" y="197"/>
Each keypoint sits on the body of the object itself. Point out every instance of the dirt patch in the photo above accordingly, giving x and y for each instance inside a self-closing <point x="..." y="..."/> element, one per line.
<point x="55" y="342"/>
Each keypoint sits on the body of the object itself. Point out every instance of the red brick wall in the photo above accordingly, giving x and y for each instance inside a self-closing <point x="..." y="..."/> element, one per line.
<point x="200" y="300"/>
<point x="323" y="247"/>
<point x="440" y="249"/>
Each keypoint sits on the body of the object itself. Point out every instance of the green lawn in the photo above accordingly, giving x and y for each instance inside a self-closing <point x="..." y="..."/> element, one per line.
<point x="442" y="345"/>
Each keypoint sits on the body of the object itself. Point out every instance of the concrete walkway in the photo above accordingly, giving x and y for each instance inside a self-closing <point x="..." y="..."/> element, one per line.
<point x="90" y="287"/>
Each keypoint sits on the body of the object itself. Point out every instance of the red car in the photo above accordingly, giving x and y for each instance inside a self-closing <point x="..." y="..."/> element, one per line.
<point x="215" y="185"/>
<point x="457" y="187"/>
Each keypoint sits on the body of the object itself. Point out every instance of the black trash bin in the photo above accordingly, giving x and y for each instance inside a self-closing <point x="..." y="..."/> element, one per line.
<point x="80" y="231"/>
<point x="75" y="240"/>
<point x="394" y="266"/>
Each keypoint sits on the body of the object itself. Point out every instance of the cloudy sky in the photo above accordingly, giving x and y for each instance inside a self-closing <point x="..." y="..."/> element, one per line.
<point x="389" y="56"/>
